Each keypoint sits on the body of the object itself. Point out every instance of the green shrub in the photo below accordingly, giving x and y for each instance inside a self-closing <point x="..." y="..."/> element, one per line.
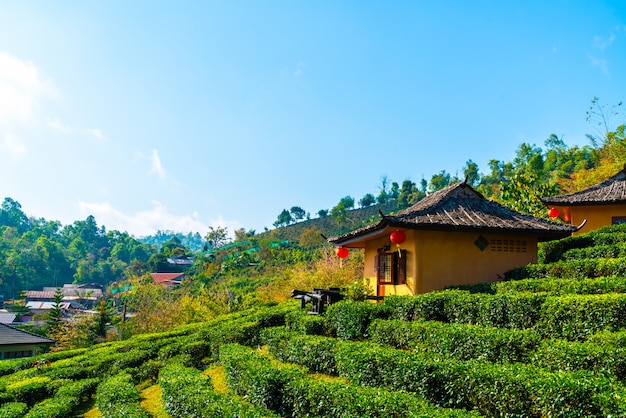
<point x="493" y="390"/>
<point x="188" y="393"/>
<point x="349" y="320"/>
<point x="460" y="341"/>
<point x="253" y="377"/>
<point x="29" y="390"/>
<point x="561" y="355"/>
<point x="559" y="286"/>
<point x="13" y="409"/>
<point x="303" y="323"/>
<point x="311" y="351"/>
<point x="118" y="397"/>
<point x="576" y="317"/>
<point x="315" y="398"/>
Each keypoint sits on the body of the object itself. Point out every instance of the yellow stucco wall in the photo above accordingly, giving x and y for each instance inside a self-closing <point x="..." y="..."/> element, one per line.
<point x="437" y="259"/>
<point x="596" y="216"/>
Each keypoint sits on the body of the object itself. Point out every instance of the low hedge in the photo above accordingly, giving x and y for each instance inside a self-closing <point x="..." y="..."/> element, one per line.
<point x="350" y="320"/>
<point x="573" y="269"/>
<point x="462" y="341"/>
<point x="290" y="392"/>
<point x="517" y="311"/>
<point x="304" y="323"/>
<point x="65" y="400"/>
<point x="253" y="377"/>
<point x="576" y="317"/>
<point x="13" y="409"/>
<point x="553" y="250"/>
<point x="313" y="352"/>
<point x="494" y="390"/>
<point x="188" y="393"/>
<point x="561" y="355"/>
<point x="117" y="396"/>
<point x="560" y="286"/>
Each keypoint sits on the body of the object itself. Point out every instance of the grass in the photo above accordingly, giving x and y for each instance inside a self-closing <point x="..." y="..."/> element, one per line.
<point x="152" y="401"/>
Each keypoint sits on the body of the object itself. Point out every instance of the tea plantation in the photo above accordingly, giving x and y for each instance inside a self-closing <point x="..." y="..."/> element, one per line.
<point x="548" y="342"/>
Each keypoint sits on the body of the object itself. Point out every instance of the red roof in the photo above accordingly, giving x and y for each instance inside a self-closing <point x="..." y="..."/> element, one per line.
<point x="167" y="279"/>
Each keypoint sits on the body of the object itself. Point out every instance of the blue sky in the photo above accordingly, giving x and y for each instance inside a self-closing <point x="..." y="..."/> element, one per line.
<point x="184" y="115"/>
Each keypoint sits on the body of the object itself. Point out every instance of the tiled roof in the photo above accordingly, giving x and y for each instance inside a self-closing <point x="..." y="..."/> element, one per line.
<point x="7" y="317"/>
<point x="611" y="191"/>
<point x="38" y="294"/>
<point x="459" y="207"/>
<point x="12" y="336"/>
<point x="167" y="278"/>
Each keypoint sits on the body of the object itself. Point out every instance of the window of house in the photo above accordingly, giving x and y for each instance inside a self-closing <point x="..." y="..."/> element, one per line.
<point x="619" y="220"/>
<point x="17" y="354"/>
<point x="390" y="266"/>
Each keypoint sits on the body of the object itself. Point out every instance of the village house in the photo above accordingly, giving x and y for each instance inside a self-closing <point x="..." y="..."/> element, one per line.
<point x="599" y="205"/>
<point x="452" y="237"/>
<point x="15" y="343"/>
<point x="168" y="279"/>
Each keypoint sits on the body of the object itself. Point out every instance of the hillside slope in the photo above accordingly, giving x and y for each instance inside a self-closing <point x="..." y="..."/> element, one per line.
<point x="552" y="342"/>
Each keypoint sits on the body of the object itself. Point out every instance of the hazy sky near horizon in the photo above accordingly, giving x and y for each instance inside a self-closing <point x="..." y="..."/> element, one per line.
<point x="182" y="115"/>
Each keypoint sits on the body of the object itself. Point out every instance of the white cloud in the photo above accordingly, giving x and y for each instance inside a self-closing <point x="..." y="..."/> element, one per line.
<point x="12" y="146"/>
<point x="21" y="89"/>
<point x="602" y="43"/>
<point x="142" y="223"/>
<point x="157" y="167"/>
<point x="67" y="129"/>
<point x="599" y="63"/>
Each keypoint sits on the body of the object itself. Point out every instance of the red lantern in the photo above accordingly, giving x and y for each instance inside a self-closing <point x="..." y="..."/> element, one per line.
<point x="554" y="213"/>
<point x="342" y="252"/>
<point x="397" y="237"/>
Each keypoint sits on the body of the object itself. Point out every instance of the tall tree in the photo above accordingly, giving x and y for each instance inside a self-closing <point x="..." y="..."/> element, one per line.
<point x="284" y="219"/>
<point x="367" y="200"/>
<point x="297" y="213"/>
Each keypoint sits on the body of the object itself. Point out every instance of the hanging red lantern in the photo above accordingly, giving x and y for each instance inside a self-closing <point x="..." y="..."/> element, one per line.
<point x="554" y="213"/>
<point x="342" y="252"/>
<point x="397" y="237"/>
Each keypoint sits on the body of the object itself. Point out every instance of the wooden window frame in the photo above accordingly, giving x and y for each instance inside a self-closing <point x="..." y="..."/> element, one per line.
<point x="390" y="267"/>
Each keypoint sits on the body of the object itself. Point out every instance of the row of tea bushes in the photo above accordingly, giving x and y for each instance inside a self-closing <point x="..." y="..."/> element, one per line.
<point x="573" y="269"/>
<point x="572" y="317"/>
<point x="560" y="286"/>
<point x="552" y="251"/>
<point x="492" y="389"/>
<point x="64" y="401"/>
<point x="118" y="397"/>
<point x="496" y="345"/>
<point x="289" y="391"/>
<point x="38" y="383"/>
<point x="188" y="393"/>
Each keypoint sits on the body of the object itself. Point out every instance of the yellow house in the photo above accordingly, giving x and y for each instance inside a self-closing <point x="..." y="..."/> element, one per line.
<point x="452" y="237"/>
<point x="599" y="205"/>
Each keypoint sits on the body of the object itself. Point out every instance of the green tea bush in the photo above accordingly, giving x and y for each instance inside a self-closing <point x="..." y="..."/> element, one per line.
<point x="558" y="286"/>
<point x="492" y="389"/>
<point x="311" y="351"/>
<point x="561" y="355"/>
<point x="253" y="377"/>
<point x="29" y="390"/>
<point x="65" y="400"/>
<point x="13" y="409"/>
<point x="349" y="320"/>
<point x="304" y="323"/>
<point x="576" y="317"/>
<point x="315" y="398"/>
<point x="118" y="397"/>
<point x="188" y="393"/>
<point x="460" y="341"/>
